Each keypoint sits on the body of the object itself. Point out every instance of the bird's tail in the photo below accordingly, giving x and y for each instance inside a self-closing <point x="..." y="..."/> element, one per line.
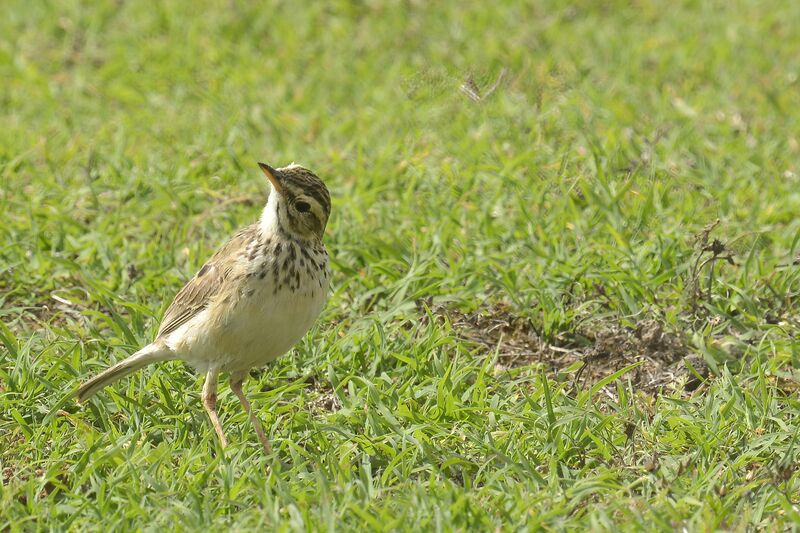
<point x="152" y="353"/>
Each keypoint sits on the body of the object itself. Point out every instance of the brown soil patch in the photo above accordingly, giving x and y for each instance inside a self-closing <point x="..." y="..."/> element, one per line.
<point x="8" y="473"/>
<point x="322" y="398"/>
<point x="603" y="348"/>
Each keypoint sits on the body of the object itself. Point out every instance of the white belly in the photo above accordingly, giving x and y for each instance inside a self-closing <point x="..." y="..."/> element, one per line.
<point x="258" y="326"/>
<point x="271" y="325"/>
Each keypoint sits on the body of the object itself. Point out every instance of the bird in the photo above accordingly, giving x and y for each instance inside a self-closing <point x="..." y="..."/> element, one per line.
<point x="251" y="301"/>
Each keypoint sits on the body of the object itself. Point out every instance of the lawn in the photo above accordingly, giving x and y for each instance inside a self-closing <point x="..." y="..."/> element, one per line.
<point x="563" y="247"/>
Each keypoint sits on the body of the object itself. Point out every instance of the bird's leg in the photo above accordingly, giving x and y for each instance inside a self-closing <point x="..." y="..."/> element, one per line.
<point x="236" y="387"/>
<point x="210" y="403"/>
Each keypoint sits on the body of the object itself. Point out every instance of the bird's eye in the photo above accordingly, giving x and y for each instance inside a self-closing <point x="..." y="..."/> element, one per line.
<point x="303" y="207"/>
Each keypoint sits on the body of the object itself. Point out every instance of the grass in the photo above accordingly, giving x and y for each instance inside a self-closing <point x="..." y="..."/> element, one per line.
<point x="567" y="200"/>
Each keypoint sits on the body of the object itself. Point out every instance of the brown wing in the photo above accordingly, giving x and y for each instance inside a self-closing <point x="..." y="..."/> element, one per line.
<point x="198" y="291"/>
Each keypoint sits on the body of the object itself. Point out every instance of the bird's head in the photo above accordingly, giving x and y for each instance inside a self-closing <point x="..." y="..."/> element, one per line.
<point x="299" y="203"/>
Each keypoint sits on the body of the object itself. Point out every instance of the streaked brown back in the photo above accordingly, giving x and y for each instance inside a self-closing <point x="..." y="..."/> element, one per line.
<point x="199" y="291"/>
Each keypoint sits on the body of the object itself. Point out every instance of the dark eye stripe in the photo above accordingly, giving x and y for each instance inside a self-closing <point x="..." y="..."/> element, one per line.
<point x="302" y="181"/>
<point x="321" y="197"/>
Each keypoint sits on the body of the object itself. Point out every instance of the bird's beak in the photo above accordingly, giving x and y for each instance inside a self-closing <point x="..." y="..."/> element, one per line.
<point x="272" y="176"/>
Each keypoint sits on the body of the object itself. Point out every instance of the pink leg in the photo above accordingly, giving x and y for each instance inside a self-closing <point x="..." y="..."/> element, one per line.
<point x="236" y="386"/>
<point x="210" y="403"/>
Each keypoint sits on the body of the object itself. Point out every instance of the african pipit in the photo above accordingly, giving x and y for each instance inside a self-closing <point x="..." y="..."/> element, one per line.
<point x="251" y="301"/>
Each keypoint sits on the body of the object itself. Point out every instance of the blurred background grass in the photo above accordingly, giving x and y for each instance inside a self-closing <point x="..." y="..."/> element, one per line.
<point x="572" y="191"/>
